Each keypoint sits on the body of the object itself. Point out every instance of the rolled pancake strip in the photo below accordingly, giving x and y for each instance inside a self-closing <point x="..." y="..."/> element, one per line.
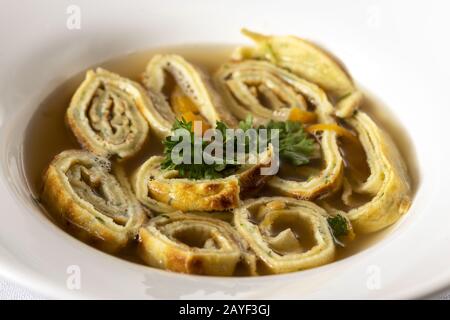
<point x="279" y="80"/>
<point x="97" y="205"/>
<point x="163" y="191"/>
<point x="246" y="84"/>
<point x="268" y="225"/>
<point x="308" y="61"/>
<point x="189" y="243"/>
<point x="104" y="114"/>
<point x="388" y="182"/>
<point x="192" y="82"/>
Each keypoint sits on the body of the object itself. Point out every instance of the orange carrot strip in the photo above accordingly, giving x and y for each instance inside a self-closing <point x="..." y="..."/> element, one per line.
<point x="303" y="116"/>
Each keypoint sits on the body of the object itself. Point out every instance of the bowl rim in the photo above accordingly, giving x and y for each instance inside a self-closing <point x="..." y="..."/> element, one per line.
<point x="430" y="159"/>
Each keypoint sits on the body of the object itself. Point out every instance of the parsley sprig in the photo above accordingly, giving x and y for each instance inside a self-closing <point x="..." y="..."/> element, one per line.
<point x="295" y="146"/>
<point x="193" y="170"/>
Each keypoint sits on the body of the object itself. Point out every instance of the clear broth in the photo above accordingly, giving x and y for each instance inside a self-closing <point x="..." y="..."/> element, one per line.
<point x="47" y="134"/>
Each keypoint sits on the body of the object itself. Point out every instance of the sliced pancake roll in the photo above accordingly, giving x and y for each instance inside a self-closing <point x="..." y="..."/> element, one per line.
<point x="260" y="89"/>
<point x="308" y="61"/>
<point x="238" y="81"/>
<point x="164" y="191"/>
<point x="180" y="90"/>
<point x="190" y="243"/>
<point x="388" y="183"/>
<point x="286" y="234"/>
<point x="93" y="202"/>
<point x="104" y="114"/>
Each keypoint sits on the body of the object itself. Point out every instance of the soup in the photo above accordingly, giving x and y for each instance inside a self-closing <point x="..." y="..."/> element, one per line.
<point x="97" y="156"/>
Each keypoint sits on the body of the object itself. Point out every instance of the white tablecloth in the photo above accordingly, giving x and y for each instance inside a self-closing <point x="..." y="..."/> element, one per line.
<point x="11" y="291"/>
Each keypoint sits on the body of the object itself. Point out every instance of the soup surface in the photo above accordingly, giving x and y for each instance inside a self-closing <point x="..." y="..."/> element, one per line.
<point x="48" y="135"/>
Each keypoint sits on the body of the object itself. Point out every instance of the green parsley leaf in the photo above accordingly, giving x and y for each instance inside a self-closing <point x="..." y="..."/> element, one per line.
<point x="247" y="123"/>
<point x="295" y="146"/>
<point x="338" y="225"/>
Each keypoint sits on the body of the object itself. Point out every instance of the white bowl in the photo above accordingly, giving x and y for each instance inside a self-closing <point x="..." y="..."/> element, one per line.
<point x="398" y="50"/>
